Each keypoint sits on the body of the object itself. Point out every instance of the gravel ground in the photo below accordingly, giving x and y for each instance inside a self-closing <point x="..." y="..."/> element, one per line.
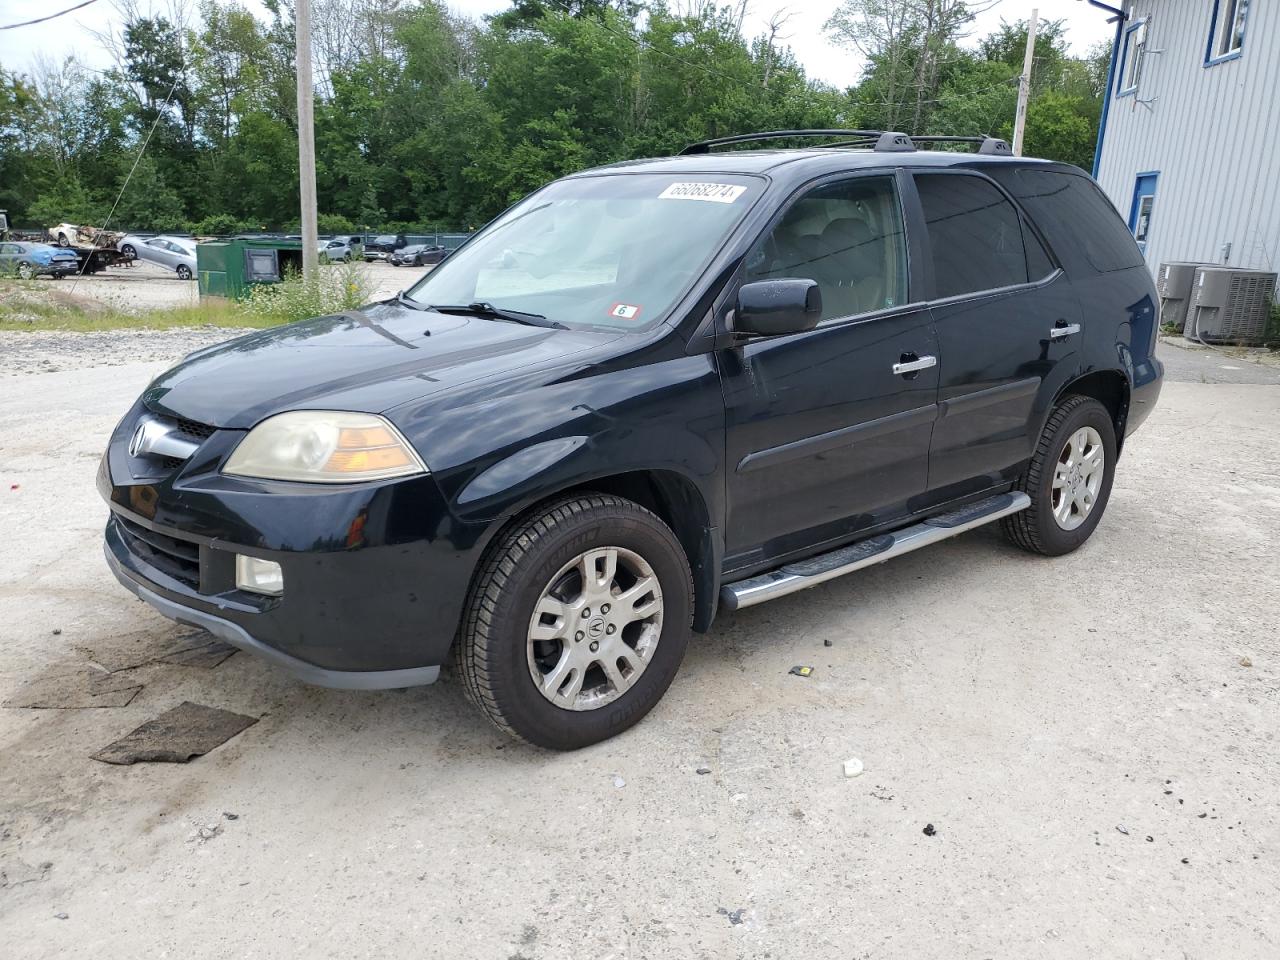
<point x="1091" y="738"/>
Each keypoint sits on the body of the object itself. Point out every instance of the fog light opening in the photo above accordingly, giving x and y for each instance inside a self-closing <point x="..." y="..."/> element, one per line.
<point x="259" y="576"/>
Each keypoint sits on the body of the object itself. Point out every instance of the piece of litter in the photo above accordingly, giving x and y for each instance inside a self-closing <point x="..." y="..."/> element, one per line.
<point x="57" y="631"/>
<point x="735" y="916"/>
<point x="1185" y="860"/>
<point x="852" y="767"/>
<point x="188" y="730"/>
<point x="703" y="770"/>
<point x="1151" y="839"/>
<point x="801" y="671"/>
<point x="1123" y="829"/>
<point x="205" y="833"/>
<point x="828" y="642"/>
<point x="619" y="782"/>
<point x="231" y="816"/>
<point x="929" y="830"/>
<point x="13" y="486"/>
<point x="1246" y="662"/>
<point x="67" y="916"/>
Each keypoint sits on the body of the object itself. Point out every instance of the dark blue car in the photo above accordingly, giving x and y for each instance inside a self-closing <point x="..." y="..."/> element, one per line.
<point x="645" y="393"/>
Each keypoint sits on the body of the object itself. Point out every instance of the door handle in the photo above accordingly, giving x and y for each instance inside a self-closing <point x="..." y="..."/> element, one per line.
<point x="912" y="366"/>
<point x="1063" y="330"/>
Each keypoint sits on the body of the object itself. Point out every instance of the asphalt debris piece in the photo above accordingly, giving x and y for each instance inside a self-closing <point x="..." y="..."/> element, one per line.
<point x="231" y="816"/>
<point x="196" y="650"/>
<point x="703" y="771"/>
<point x="1186" y="860"/>
<point x="828" y="642"/>
<point x="1151" y="839"/>
<point x="801" y="671"/>
<point x="188" y="730"/>
<point x="929" y="830"/>
<point x="78" y="686"/>
<point x="57" y="631"/>
<point x="735" y="916"/>
<point x="1202" y="816"/>
<point x="1246" y="662"/>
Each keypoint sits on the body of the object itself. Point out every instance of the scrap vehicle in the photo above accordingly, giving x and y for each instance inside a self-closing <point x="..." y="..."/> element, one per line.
<point x="25" y="260"/>
<point x="95" y="249"/>
<point x="384" y="245"/>
<point x="646" y="393"/>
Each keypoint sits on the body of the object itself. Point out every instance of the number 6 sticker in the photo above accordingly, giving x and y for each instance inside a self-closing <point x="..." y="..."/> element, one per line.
<point x="624" y="311"/>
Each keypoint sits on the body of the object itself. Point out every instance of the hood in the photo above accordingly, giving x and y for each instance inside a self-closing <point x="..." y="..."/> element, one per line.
<point x="368" y="361"/>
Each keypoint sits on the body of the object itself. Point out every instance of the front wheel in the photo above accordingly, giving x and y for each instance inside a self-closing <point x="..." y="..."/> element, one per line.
<point x="577" y="622"/>
<point x="1068" y="479"/>
<point x="184" y="272"/>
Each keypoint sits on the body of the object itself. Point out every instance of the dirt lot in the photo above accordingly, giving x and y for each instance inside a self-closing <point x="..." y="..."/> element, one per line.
<point x="1092" y="738"/>
<point x="145" y="286"/>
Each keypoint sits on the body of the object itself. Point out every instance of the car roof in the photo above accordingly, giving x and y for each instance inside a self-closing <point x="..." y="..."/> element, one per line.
<point x="813" y="161"/>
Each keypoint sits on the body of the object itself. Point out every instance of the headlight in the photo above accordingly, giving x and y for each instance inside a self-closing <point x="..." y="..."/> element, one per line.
<point x="320" y="446"/>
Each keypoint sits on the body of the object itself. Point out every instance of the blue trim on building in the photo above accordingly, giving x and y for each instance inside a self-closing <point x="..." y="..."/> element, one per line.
<point x="1119" y="16"/>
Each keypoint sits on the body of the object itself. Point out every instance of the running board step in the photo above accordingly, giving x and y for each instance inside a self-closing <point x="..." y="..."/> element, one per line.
<point x="827" y="566"/>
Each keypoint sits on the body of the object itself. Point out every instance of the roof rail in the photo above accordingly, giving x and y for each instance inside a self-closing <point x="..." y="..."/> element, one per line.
<point x="883" y="141"/>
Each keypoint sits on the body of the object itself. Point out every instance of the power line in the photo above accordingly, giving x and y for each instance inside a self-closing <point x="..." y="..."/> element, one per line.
<point x="52" y="16"/>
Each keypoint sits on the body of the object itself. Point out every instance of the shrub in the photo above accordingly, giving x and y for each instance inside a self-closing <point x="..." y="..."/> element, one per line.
<point x="334" y="223"/>
<point x="335" y="290"/>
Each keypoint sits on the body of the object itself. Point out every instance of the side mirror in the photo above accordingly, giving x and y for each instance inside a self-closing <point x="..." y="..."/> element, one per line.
<point x="774" y="307"/>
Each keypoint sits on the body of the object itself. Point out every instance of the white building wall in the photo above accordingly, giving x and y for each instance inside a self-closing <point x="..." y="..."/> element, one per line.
<point x="1212" y="133"/>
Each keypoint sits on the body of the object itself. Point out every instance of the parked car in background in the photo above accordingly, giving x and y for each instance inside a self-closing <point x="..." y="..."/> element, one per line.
<point x="28" y="260"/>
<point x="174" y="253"/>
<point x="384" y="245"/>
<point x="418" y="255"/>
<point x="339" y="248"/>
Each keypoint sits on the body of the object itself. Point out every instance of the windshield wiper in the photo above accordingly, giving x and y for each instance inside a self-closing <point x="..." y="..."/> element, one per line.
<point x="482" y="308"/>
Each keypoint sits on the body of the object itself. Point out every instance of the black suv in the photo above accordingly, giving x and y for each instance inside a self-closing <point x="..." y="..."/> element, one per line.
<point x="646" y="392"/>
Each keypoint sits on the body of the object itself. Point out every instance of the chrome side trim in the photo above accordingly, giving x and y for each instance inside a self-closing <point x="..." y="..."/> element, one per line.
<point x="779" y="583"/>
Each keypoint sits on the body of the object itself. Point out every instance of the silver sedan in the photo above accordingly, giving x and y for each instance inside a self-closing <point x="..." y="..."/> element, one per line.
<point x="174" y="253"/>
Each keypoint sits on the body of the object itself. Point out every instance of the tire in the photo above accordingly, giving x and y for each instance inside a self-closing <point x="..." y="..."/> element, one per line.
<point x="1038" y="528"/>
<point x="496" y="657"/>
<point x="62" y="240"/>
<point x="129" y="251"/>
<point x="25" y="271"/>
<point x="184" y="272"/>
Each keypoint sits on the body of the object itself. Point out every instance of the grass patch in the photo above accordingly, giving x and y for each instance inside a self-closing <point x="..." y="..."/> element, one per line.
<point x="40" y="305"/>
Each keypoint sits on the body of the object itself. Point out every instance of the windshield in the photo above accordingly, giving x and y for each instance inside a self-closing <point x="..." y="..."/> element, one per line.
<point x="612" y="251"/>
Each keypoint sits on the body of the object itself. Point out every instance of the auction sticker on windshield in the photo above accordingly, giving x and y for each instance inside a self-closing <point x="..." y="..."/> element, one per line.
<point x="624" y="311"/>
<point x="712" y="192"/>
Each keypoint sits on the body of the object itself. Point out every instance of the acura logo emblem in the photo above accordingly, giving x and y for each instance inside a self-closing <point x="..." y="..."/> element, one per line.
<point x="135" y="442"/>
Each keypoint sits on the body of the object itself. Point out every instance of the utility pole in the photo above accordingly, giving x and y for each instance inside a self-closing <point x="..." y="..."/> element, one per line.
<point x="306" y="140"/>
<point x="1024" y="84"/>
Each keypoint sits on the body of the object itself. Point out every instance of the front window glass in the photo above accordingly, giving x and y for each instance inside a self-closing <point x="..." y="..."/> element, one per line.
<point x="846" y="237"/>
<point x="614" y="251"/>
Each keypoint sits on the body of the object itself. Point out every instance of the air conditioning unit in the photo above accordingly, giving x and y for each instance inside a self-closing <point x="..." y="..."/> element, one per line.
<point x="1230" y="305"/>
<point x="1173" y="284"/>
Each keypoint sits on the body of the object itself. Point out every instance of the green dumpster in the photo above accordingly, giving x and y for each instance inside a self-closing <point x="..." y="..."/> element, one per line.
<point x="229" y="268"/>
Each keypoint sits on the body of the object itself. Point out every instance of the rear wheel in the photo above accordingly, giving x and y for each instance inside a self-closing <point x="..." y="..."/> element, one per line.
<point x="1068" y="479"/>
<point x="577" y="623"/>
<point x="129" y="251"/>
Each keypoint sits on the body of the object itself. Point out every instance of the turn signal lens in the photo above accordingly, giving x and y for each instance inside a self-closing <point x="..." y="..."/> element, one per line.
<point x="319" y="446"/>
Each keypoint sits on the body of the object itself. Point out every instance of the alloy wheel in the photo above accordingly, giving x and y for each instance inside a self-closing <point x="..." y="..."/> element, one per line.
<point x="1077" y="478"/>
<point x="594" y="628"/>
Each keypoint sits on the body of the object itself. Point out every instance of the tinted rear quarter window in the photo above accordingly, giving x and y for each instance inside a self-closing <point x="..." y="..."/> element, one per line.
<point x="975" y="234"/>
<point x="1078" y="220"/>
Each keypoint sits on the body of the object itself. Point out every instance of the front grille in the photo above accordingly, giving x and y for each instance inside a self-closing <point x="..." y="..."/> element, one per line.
<point x="191" y="430"/>
<point x="179" y="559"/>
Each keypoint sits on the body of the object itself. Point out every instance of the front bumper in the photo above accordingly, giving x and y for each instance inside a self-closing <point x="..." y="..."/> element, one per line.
<point x="374" y="582"/>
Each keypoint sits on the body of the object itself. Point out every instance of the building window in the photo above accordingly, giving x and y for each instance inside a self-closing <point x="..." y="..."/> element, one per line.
<point x="1135" y="44"/>
<point x="1226" y="30"/>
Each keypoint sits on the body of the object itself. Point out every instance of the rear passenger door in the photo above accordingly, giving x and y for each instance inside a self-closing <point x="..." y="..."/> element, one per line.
<point x="1007" y="324"/>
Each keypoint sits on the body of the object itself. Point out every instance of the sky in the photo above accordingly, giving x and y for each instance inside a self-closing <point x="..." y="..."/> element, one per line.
<point x="56" y="39"/>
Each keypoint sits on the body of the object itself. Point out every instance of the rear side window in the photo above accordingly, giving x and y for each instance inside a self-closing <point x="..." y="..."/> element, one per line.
<point x="1077" y="219"/>
<point x="975" y="234"/>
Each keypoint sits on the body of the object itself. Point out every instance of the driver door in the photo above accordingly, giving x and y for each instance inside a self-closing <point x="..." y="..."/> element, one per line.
<point x="827" y="432"/>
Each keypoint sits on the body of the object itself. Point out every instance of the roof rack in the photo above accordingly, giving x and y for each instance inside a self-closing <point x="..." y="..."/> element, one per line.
<point x="882" y="141"/>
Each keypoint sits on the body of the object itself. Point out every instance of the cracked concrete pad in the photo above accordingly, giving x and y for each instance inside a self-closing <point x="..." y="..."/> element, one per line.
<point x="188" y="730"/>
<point x="75" y="687"/>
